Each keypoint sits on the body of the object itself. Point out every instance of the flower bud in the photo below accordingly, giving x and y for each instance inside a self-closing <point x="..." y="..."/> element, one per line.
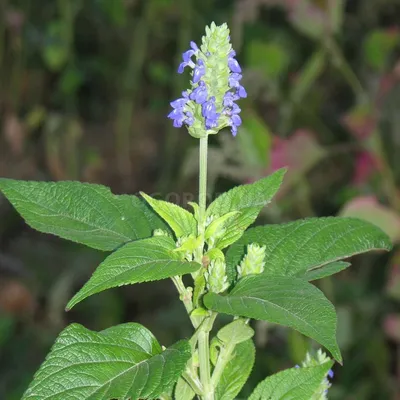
<point x="217" y="281"/>
<point x="253" y="261"/>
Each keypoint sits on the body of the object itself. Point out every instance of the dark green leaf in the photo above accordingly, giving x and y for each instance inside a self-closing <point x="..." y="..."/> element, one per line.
<point x="288" y="301"/>
<point x="300" y="246"/>
<point x="88" y="365"/>
<point x="292" y="384"/>
<point x="81" y="212"/>
<point x="140" y="261"/>
<point x="249" y="201"/>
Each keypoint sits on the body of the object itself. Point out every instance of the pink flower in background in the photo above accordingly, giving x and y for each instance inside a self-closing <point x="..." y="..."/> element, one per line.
<point x="366" y="164"/>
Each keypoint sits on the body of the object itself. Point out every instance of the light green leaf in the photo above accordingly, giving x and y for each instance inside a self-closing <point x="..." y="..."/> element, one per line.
<point x="97" y="366"/>
<point x="81" y="212"/>
<point x="140" y="261"/>
<point x="300" y="246"/>
<point x="287" y="301"/>
<point x="181" y="221"/>
<point x="292" y="384"/>
<point x="249" y="201"/>
<point x="235" y="332"/>
<point x="183" y="391"/>
<point x="325" y="270"/>
<point x="236" y="372"/>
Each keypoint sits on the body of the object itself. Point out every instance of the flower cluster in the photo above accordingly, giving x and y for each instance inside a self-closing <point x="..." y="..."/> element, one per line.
<point x="210" y="104"/>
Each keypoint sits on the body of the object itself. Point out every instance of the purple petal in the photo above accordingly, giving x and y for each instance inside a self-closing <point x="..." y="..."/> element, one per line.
<point x="330" y="374"/>
<point x="181" y="67"/>
<point x="179" y="103"/>
<point x="236" y="120"/>
<point x="199" y="71"/>
<point x="194" y="46"/>
<point x="189" y="119"/>
<point x="241" y="91"/>
<point x="234" y="65"/>
<point x="187" y="55"/>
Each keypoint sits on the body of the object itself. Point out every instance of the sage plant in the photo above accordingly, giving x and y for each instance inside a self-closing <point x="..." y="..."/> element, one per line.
<point x="260" y="273"/>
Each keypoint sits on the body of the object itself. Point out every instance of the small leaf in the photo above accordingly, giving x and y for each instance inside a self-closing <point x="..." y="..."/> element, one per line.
<point x="107" y="365"/>
<point x="249" y="201"/>
<point x="81" y="212"/>
<point x="287" y="301"/>
<point x="300" y="246"/>
<point x="183" y="391"/>
<point x="140" y="261"/>
<point x="294" y="383"/>
<point x="181" y="221"/>
<point x="236" y="372"/>
<point x="235" y="332"/>
<point x="325" y="270"/>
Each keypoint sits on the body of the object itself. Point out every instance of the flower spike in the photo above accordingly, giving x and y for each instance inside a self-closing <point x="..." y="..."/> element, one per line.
<point x="210" y="103"/>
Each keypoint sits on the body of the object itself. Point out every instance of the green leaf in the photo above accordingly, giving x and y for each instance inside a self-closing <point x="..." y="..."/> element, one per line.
<point x="89" y="365"/>
<point x="325" y="270"/>
<point x="181" y="221"/>
<point x="235" y="332"/>
<point x="142" y="339"/>
<point x="297" y="247"/>
<point x="141" y="261"/>
<point x="288" y="301"/>
<point x="183" y="391"/>
<point x="236" y="372"/>
<point x="292" y="384"/>
<point x="249" y="201"/>
<point x="81" y="212"/>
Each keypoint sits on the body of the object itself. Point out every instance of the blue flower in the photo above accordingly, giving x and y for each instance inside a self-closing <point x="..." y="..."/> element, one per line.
<point x="230" y="98"/>
<point x="232" y="62"/>
<point x="187" y="57"/>
<point x="209" y="112"/>
<point x="199" y="71"/>
<point x="178" y="113"/>
<point x="200" y="94"/>
<point x="330" y="374"/>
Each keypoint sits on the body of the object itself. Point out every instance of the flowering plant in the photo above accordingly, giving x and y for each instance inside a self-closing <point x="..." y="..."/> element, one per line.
<point x="260" y="273"/>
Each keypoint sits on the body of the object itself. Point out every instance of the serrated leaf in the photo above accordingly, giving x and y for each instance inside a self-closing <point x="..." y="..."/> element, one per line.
<point x="236" y="372"/>
<point x="287" y="301"/>
<point x="180" y="220"/>
<point x="140" y="337"/>
<point x="325" y="270"/>
<point x="140" y="261"/>
<point x="300" y="246"/>
<point x="292" y="384"/>
<point x="89" y="365"/>
<point x="249" y="201"/>
<point x="183" y="391"/>
<point x="82" y="212"/>
<point x="235" y="332"/>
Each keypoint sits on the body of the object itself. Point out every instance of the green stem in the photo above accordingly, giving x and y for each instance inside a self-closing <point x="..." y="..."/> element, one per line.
<point x="223" y="359"/>
<point x="203" y="184"/>
<point x="184" y="293"/>
<point x="204" y="333"/>
<point x="193" y="380"/>
<point x="204" y="359"/>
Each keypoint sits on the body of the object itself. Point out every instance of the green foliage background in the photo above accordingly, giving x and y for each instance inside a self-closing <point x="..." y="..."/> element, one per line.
<point x="85" y="87"/>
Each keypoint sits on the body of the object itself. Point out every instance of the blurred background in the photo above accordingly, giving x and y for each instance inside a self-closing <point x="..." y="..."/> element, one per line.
<point x="85" y="87"/>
